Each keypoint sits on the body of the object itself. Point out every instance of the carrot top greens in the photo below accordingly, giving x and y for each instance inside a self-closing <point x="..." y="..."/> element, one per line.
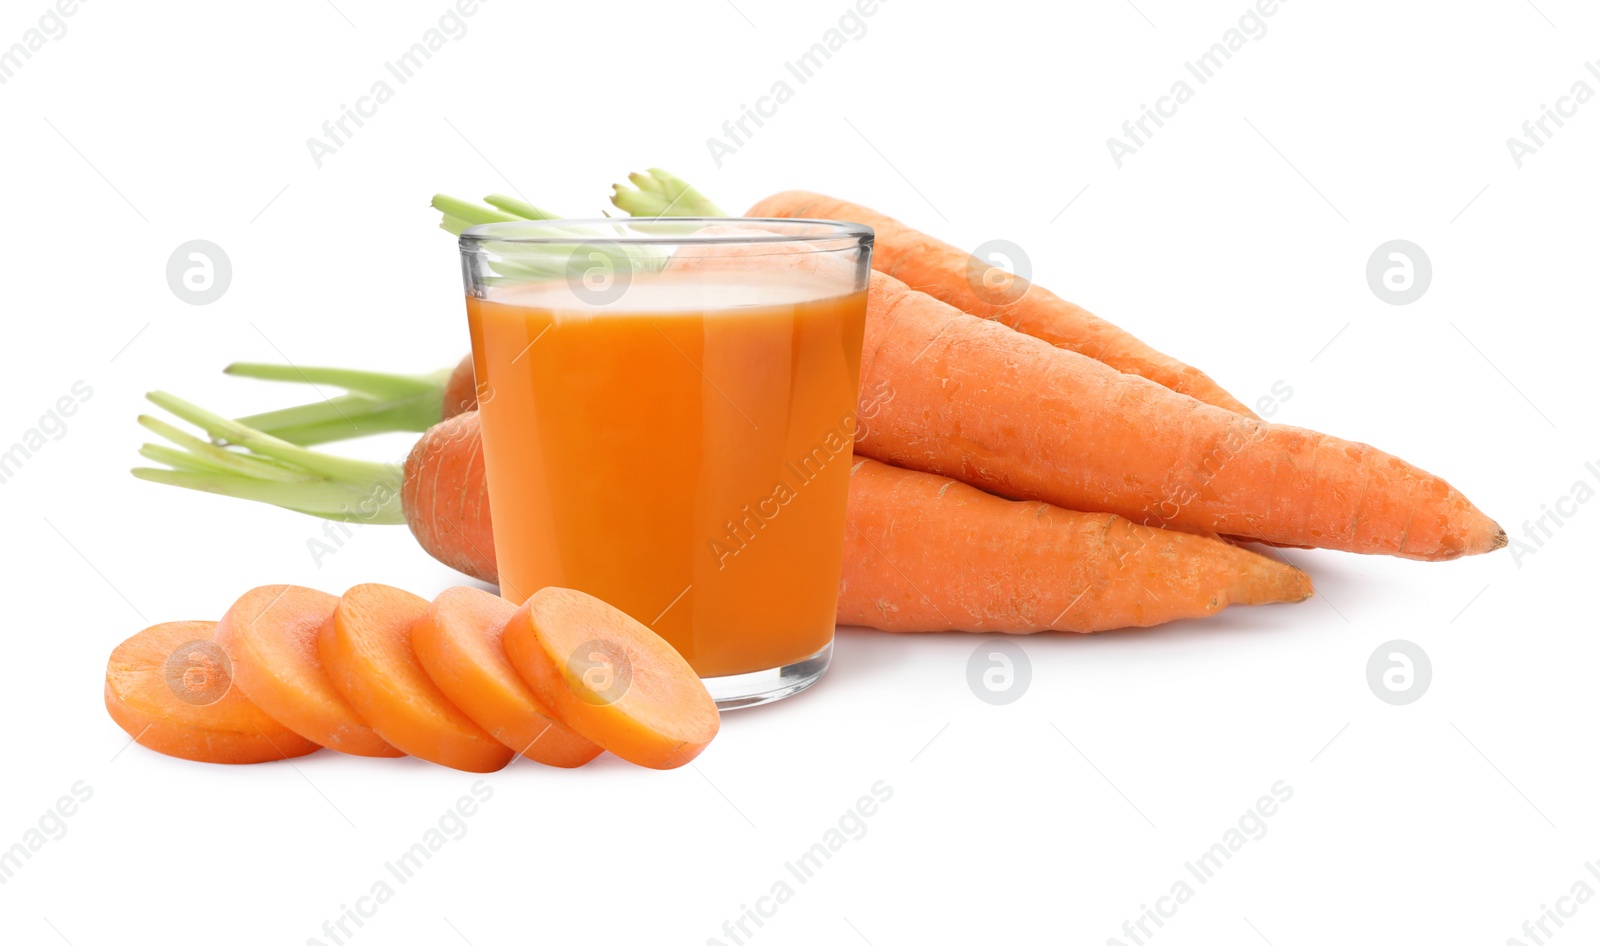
<point x="245" y="463"/>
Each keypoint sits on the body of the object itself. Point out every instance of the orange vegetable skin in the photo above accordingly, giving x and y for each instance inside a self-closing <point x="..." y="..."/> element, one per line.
<point x="1010" y="414"/>
<point x="611" y="678"/>
<point x="366" y="647"/>
<point x="212" y="721"/>
<point x="974" y="286"/>
<point x="445" y="497"/>
<point x="1028" y="566"/>
<point x="459" y="644"/>
<point x="460" y="391"/>
<point x="270" y="634"/>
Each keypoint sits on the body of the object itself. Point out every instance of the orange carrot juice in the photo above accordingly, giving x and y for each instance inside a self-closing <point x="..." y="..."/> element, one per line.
<point x="682" y="452"/>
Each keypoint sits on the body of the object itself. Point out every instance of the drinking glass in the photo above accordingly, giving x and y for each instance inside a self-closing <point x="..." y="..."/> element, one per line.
<point x="668" y="411"/>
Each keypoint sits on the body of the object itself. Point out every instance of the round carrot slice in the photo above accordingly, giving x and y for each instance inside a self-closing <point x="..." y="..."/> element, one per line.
<point x="270" y="634"/>
<point x="610" y="678"/>
<point x="459" y="644"/>
<point x="366" y="648"/>
<point x="170" y="687"/>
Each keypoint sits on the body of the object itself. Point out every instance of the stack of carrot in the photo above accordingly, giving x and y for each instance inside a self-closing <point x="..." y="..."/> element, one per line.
<point x="1029" y="466"/>
<point x="468" y="681"/>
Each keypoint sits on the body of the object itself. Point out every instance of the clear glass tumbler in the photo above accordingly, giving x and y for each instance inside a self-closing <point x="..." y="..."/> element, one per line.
<point x="668" y="411"/>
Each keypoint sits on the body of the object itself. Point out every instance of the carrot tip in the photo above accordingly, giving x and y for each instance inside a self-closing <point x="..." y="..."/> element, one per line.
<point x="1500" y="540"/>
<point x="1299" y="587"/>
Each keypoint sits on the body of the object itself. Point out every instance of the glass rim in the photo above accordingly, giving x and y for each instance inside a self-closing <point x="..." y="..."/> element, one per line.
<point x="637" y="231"/>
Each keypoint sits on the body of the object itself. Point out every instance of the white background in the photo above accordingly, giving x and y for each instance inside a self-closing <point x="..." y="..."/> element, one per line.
<point x="1236" y="240"/>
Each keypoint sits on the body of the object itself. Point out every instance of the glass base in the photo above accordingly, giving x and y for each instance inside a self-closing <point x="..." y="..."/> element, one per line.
<point x="739" y="690"/>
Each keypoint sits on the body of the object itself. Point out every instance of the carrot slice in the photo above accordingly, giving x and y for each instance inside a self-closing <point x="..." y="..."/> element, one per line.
<point x="170" y="687"/>
<point x="366" y="647"/>
<point x="610" y="678"/>
<point x="459" y="644"/>
<point x="270" y="634"/>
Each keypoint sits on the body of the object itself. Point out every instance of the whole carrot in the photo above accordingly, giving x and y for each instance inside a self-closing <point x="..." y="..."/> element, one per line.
<point x="444" y="497"/>
<point x="925" y="553"/>
<point x="989" y="564"/>
<point x="1015" y="416"/>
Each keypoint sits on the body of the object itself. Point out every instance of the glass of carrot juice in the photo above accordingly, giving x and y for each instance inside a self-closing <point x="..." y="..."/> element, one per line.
<point x="668" y="411"/>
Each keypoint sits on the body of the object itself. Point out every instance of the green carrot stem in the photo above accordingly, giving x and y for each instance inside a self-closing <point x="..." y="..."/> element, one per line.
<point x="521" y="208"/>
<point x="311" y="433"/>
<point x="348" y="416"/>
<point x="266" y="469"/>
<point x="178" y="460"/>
<point x="468" y="212"/>
<point x="380" y="402"/>
<point x="224" y="459"/>
<point x="658" y="193"/>
<point x="376" y="384"/>
<point x="348" y="410"/>
<point x="377" y="501"/>
<point x="220" y="428"/>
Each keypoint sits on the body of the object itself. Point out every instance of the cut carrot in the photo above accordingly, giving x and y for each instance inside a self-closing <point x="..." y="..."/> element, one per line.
<point x="270" y="634"/>
<point x="170" y="688"/>
<point x="977" y="287"/>
<point x="459" y="644"/>
<point x="1026" y="567"/>
<point x="366" y="647"/>
<point x="611" y="678"/>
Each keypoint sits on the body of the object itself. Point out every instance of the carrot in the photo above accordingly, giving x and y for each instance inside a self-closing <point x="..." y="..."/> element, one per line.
<point x="270" y="635"/>
<point x="611" y="678"/>
<point x="460" y="390"/>
<point x="458" y="642"/>
<point x="445" y="499"/>
<point x="1026" y="567"/>
<point x="170" y="688"/>
<point x="366" y="647"/>
<point x="1093" y="439"/>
